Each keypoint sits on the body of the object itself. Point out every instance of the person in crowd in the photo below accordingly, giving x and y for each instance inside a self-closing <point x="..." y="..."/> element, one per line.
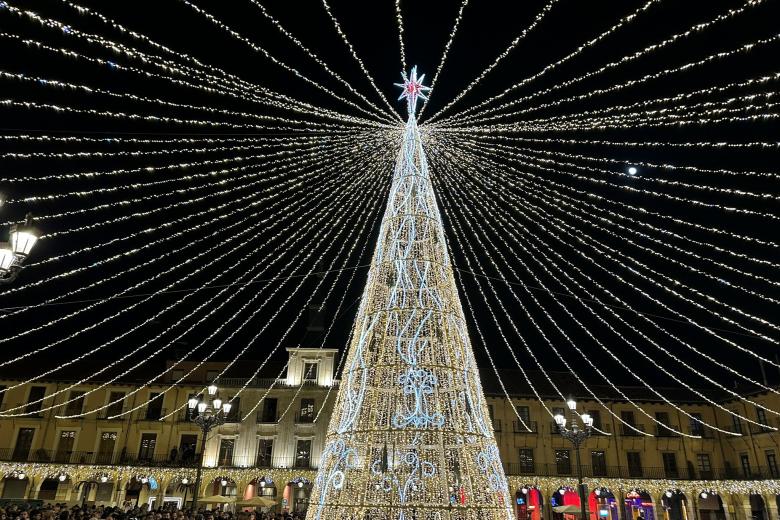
<point x="36" y="511"/>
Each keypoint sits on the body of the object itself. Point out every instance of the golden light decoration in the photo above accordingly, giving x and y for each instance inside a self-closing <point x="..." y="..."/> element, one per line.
<point x="410" y="435"/>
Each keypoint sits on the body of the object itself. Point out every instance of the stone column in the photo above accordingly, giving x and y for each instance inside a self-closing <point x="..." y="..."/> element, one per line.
<point x="770" y="501"/>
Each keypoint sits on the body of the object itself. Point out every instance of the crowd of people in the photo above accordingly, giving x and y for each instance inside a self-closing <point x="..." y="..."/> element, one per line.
<point x="37" y="511"/>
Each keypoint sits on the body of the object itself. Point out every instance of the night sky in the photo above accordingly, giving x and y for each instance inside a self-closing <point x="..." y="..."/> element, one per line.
<point x="487" y="28"/>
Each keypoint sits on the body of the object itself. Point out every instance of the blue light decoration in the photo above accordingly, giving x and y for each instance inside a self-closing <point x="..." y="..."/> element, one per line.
<point x="410" y="435"/>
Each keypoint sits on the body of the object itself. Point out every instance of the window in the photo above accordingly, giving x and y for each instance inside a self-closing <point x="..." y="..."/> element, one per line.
<point x="761" y="416"/>
<point x="187" y="447"/>
<point x="24" y="440"/>
<point x="557" y="411"/>
<point x="704" y="466"/>
<point x="598" y="461"/>
<point x="117" y="403"/>
<point x="147" y="446"/>
<point x="268" y="415"/>
<point x="211" y="375"/>
<point x="527" y="460"/>
<point x="235" y="410"/>
<point x="634" y="460"/>
<point x="310" y="371"/>
<point x="265" y="448"/>
<point x="2" y="393"/>
<point x="736" y="422"/>
<point x="663" y="420"/>
<point x="36" y="393"/>
<point x="771" y="463"/>
<point x="303" y="453"/>
<point x="106" y="447"/>
<point x="154" y="408"/>
<point x="490" y="411"/>
<point x="628" y="425"/>
<point x="670" y="465"/>
<point x="65" y="445"/>
<point x="306" y="414"/>
<point x="76" y="403"/>
<point x="744" y="461"/>
<point x="525" y="414"/>
<point x="177" y="374"/>
<point x="226" y="447"/>
<point x="596" y="416"/>
<point x="697" y="428"/>
<point x="48" y="489"/>
<point x="563" y="462"/>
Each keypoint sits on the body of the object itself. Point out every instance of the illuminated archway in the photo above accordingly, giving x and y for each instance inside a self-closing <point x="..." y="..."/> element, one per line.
<point x="638" y="505"/>
<point x="528" y="503"/>
<point x="675" y="505"/>
<point x="602" y="505"/>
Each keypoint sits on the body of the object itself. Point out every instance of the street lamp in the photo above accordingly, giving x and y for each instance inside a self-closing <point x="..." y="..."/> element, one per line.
<point x="207" y="416"/>
<point x="576" y="436"/>
<point x="13" y="253"/>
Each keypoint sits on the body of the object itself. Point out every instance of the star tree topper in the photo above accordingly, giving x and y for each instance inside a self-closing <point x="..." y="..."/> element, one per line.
<point x="412" y="89"/>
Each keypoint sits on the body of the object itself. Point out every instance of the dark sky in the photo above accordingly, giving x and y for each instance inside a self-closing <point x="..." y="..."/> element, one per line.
<point x="487" y="28"/>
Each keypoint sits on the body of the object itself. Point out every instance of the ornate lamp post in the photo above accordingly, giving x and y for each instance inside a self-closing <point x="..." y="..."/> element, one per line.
<point x="13" y="253"/>
<point x="576" y="436"/>
<point x="207" y="415"/>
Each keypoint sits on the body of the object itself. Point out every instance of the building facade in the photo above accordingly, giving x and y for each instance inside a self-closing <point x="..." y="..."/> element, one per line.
<point x="128" y="451"/>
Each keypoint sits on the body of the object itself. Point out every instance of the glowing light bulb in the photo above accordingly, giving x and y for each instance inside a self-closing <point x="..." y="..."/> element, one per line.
<point x="632" y="170"/>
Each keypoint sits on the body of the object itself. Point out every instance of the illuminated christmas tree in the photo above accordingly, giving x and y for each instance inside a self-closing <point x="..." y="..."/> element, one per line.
<point x="410" y="436"/>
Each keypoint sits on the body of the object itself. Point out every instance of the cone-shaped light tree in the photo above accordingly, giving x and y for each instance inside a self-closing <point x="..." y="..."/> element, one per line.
<point x="410" y="436"/>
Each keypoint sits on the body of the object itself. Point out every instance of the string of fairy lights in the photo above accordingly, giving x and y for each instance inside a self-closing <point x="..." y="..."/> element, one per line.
<point x="596" y="223"/>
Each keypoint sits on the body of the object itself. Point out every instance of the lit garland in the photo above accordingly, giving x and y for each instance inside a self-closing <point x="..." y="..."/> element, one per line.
<point x="679" y="295"/>
<point x="376" y="114"/>
<point x="410" y="420"/>
<point x="255" y="201"/>
<point x="149" y="342"/>
<point x="399" y="18"/>
<point x="444" y="55"/>
<point x="550" y="343"/>
<point x="295" y="261"/>
<point x="294" y="168"/>
<point x="119" y="474"/>
<point x="549" y="5"/>
<point x="120" y="48"/>
<point x="354" y="55"/>
<point x="318" y="60"/>
<point x="665" y="166"/>
<point x="627" y="59"/>
<point x="524" y="232"/>
<point x="84" y="89"/>
<point x="623" y="21"/>
<point x="686" y="252"/>
<point x="630" y="83"/>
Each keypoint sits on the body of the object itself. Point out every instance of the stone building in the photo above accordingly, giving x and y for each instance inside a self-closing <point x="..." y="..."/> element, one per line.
<point x="271" y="442"/>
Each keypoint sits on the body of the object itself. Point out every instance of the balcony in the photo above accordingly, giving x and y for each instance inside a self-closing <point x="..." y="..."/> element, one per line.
<point x="264" y="382"/>
<point x="267" y="417"/>
<point x="150" y="414"/>
<point x="145" y="459"/>
<point x="25" y="408"/>
<point x="304" y="418"/>
<point x="517" y="427"/>
<point x="666" y="430"/>
<point x="627" y="431"/>
<point x="625" y="472"/>
<point x="757" y="430"/>
<point x="112" y="414"/>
